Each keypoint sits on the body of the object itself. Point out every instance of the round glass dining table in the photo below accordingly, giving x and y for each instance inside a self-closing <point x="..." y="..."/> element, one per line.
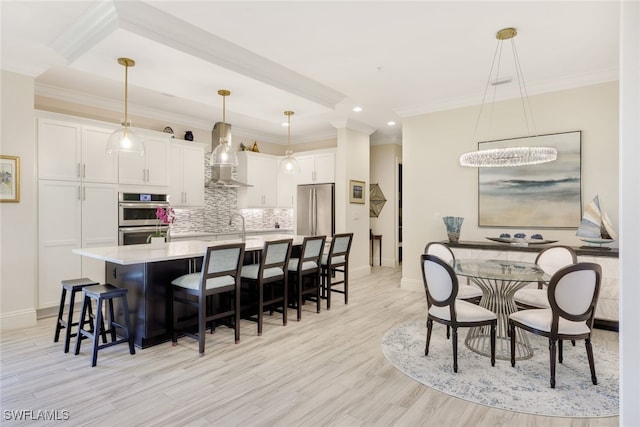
<point x="499" y="280"/>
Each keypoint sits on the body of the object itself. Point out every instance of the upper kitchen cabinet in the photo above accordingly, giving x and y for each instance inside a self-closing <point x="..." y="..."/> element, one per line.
<point x="186" y="174"/>
<point x="317" y="168"/>
<point x="259" y="171"/>
<point x="150" y="169"/>
<point x="74" y="152"/>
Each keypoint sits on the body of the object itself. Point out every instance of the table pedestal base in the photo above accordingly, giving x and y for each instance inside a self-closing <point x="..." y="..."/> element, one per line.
<point x="498" y="297"/>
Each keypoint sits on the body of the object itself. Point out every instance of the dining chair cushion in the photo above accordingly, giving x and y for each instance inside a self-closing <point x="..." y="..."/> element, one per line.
<point x="307" y="265"/>
<point x="465" y="312"/>
<point x="468" y="292"/>
<point x="540" y="319"/>
<point x="334" y="260"/>
<point x="192" y="281"/>
<point x="532" y="297"/>
<point x="251" y="272"/>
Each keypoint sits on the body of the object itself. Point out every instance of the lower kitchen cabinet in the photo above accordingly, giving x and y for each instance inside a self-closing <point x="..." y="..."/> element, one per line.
<point x="72" y="215"/>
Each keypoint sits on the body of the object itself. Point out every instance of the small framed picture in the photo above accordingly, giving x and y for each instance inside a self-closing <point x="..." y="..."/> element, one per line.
<point x="9" y="178"/>
<point x="356" y="191"/>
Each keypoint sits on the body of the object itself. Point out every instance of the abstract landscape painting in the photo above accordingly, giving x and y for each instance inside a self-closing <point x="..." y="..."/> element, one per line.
<point x="537" y="196"/>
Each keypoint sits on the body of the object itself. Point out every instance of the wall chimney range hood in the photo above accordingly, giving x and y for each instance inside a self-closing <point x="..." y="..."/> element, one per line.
<point x="222" y="175"/>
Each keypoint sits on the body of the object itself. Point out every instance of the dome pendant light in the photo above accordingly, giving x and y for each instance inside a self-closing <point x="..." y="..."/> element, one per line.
<point x="509" y="156"/>
<point x="125" y="139"/>
<point x="289" y="164"/>
<point x="223" y="153"/>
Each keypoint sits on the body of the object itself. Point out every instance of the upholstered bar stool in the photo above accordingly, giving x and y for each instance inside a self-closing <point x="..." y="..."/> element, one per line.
<point x="104" y="293"/>
<point x="71" y="286"/>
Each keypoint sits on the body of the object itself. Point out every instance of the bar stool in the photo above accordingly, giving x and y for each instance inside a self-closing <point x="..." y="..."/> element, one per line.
<point x="73" y="286"/>
<point x="103" y="293"/>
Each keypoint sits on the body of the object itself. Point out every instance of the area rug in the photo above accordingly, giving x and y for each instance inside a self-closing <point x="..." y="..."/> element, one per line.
<point x="523" y="388"/>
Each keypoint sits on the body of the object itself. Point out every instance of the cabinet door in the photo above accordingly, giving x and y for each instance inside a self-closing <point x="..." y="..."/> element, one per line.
<point x="325" y="165"/>
<point x="59" y="231"/>
<point x="307" y="169"/>
<point x="97" y="165"/>
<point x="132" y="167"/>
<point x="176" y="168"/>
<point x="99" y="224"/>
<point x="286" y="189"/>
<point x="157" y="150"/>
<point x="193" y="176"/>
<point x="58" y="150"/>
<point x="261" y="173"/>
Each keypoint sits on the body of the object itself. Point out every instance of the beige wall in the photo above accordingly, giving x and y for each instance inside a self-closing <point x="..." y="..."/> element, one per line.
<point x="384" y="163"/>
<point x="435" y="185"/>
<point x="18" y="221"/>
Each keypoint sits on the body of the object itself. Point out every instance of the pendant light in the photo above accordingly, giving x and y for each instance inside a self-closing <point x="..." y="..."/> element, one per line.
<point x="289" y="164"/>
<point x="509" y="156"/>
<point x="223" y="153"/>
<point x="124" y="139"/>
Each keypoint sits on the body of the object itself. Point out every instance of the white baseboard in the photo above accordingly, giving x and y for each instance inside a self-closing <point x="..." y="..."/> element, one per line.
<point x="18" y="319"/>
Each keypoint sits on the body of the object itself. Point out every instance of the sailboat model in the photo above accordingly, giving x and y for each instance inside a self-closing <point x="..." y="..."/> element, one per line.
<point x="595" y="226"/>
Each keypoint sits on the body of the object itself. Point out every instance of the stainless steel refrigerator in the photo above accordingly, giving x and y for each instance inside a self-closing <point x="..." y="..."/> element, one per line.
<point x="316" y="210"/>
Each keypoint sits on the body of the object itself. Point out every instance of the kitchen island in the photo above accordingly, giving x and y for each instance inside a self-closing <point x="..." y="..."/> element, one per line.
<point x="147" y="274"/>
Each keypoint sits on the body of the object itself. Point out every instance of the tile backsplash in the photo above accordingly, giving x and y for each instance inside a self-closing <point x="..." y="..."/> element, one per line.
<point x="220" y="203"/>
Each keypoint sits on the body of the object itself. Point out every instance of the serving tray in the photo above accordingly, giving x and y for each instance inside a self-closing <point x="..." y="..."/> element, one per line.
<point x="521" y="242"/>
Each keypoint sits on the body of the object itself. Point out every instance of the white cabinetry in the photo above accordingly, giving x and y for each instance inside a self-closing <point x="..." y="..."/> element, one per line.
<point x="287" y="185"/>
<point x="186" y="174"/>
<point x="150" y="169"/>
<point x="260" y="171"/>
<point x="77" y="202"/>
<point x="318" y="168"/>
<point x="72" y="215"/>
<point x="74" y="152"/>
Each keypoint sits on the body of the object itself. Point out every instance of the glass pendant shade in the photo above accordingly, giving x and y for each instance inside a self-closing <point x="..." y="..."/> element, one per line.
<point x="289" y="165"/>
<point x="223" y="154"/>
<point x="125" y="140"/>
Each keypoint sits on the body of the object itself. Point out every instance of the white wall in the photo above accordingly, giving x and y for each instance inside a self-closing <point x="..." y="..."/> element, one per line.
<point x="352" y="162"/>
<point x="384" y="172"/>
<point x="435" y="185"/>
<point x="18" y="221"/>
<point x="629" y="213"/>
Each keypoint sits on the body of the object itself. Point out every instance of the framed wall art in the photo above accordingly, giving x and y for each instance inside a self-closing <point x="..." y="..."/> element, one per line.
<point x="547" y="195"/>
<point x="9" y="178"/>
<point x="356" y="191"/>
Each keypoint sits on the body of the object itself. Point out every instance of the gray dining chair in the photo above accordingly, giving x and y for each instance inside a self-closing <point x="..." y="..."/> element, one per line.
<point x="441" y="288"/>
<point x="573" y="294"/>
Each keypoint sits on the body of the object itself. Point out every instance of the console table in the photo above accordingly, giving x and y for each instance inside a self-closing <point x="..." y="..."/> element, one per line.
<point x="607" y="316"/>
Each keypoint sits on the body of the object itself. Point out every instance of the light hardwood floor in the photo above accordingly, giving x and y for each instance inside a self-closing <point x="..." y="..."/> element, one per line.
<point x="327" y="370"/>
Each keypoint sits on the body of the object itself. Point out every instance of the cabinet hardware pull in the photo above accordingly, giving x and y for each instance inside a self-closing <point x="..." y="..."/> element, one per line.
<point x="78" y="171"/>
<point x="84" y="170"/>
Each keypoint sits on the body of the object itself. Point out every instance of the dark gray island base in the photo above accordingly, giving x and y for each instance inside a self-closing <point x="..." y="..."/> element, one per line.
<point x="149" y="296"/>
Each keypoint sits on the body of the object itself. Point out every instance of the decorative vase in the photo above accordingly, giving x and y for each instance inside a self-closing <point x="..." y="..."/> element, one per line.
<point x="157" y="242"/>
<point x="453" y="224"/>
<point x="188" y="136"/>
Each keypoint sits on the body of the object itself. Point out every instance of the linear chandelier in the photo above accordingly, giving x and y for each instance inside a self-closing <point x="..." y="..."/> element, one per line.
<point x="289" y="164"/>
<point x="223" y="153"/>
<point x="124" y="139"/>
<point x="508" y="156"/>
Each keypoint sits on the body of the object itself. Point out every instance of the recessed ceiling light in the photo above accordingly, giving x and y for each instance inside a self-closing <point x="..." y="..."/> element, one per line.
<point x="357" y="109"/>
<point x="391" y="123"/>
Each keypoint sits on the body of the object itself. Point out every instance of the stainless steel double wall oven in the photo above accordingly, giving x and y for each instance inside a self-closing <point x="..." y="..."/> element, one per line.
<point x="137" y="216"/>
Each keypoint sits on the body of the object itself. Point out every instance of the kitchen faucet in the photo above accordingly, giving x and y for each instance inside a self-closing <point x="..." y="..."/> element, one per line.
<point x="244" y="231"/>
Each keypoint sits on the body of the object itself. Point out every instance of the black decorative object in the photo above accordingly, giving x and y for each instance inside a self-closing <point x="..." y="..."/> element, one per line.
<point x="188" y="136"/>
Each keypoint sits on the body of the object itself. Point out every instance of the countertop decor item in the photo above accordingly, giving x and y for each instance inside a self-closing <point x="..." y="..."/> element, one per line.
<point x="223" y="154"/>
<point x="521" y="241"/>
<point x="507" y="156"/>
<point x="124" y="139"/>
<point x="453" y="224"/>
<point x="165" y="216"/>
<point x="596" y="227"/>
<point x="289" y="164"/>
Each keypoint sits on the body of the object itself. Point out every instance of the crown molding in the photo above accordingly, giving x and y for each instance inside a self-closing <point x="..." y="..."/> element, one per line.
<point x="352" y="125"/>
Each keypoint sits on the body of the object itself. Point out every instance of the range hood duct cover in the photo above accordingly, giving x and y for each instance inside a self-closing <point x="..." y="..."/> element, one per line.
<point x="216" y="134"/>
<point x="222" y="177"/>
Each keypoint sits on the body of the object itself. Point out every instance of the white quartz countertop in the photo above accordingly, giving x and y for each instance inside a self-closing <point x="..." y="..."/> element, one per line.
<point x="140" y="254"/>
